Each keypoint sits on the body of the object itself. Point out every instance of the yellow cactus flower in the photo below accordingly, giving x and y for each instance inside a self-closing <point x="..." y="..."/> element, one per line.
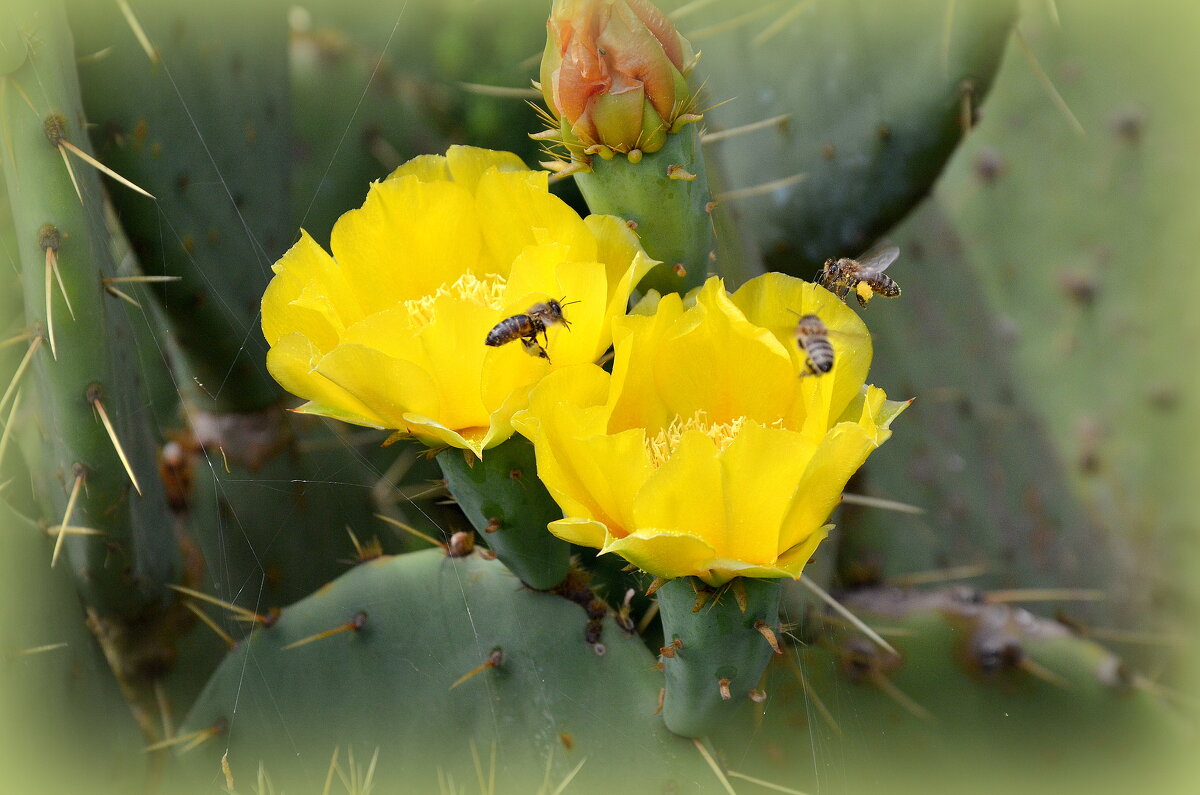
<point x="390" y="330"/>
<point x="707" y="451"/>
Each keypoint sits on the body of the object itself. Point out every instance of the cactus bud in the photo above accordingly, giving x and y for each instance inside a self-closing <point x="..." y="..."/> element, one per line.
<point x="613" y="75"/>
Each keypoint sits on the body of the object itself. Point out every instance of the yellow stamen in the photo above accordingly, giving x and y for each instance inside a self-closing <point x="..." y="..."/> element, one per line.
<point x="487" y="292"/>
<point x="662" y="445"/>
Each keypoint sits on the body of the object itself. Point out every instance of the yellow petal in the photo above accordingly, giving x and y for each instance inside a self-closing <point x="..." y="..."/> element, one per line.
<point x="434" y="434"/>
<point x="776" y="301"/>
<point x="426" y="168"/>
<point x="308" y="294"/>
<point x="584" y="532"/>
<point x="389" y="387"/>
<point x="686" y="493"/>
<point x="760" y="470"/>
<point x="714" y="360"/>
<point x="618" y="248"/>
<point x="795" y="559"/>
<point x="408" y="239"/>
<point x="515" y="210"/>
<point x="469" y="163"/>
<point x="602" y="474"/>
<point x="664" y="553"/>
<point x="840" y="454"/>
<point x="635" y="401"/>
<point x="582" y="385"/>
<point x="293" y="360"/>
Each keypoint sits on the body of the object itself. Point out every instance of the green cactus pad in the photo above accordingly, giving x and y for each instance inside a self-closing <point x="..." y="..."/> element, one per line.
<point x="207" y="132"/>
<point x="550" y="704"/>
<point x="715" y="651"/>
<point x="122" y="573"/>
<point x="671" y="214"/>
<point x="509" y="506"/>
<point x="873" y="91"/>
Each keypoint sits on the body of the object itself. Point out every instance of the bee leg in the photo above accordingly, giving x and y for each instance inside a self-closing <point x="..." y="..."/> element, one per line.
<point x="534" y="348"/>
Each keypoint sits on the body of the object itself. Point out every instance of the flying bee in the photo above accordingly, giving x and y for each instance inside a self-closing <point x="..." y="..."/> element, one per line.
<point x="813" y="337"/>
<point x="526" y="327"/>
<point x="865" y="277"/>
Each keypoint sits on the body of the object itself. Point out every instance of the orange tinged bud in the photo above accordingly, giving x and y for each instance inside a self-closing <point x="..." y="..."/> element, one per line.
<point x="614" y="74"/>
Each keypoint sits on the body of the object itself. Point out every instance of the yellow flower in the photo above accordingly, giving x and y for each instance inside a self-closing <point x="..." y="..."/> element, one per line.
<point x="389" y="331"/>
<point x="705" y="452"/>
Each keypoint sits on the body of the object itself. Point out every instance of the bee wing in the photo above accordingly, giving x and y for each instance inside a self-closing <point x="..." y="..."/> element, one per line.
<point x="876" y="261"/>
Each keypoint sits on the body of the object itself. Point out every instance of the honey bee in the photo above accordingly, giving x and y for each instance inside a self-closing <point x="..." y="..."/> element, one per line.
<point x="864" y="277"/>
<point x="813" y="338"/>
<point x="526" y="327"/>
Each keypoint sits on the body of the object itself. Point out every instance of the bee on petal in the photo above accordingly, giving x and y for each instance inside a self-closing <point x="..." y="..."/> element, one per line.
<point x="813" y="337"/>
<point x="527" y="326"/>
<point x="864" y="277"/>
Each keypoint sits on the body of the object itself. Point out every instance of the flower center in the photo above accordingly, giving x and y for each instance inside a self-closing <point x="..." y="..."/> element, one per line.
<point x="663" y="444"/>
<point x="486" y="292"/>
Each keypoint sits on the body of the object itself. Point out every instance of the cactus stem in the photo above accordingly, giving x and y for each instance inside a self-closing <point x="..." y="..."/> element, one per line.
<point x="20" y="371"/>
<point x="495" y="659"/>
<point x="94" y="163"/>
<point x="841" y="610"/>
<point x="889" y="689"/>
<point x="412" y="530"/>
<point x="190" y="740"/>
<point x="8" y="426"/>
<point x="38" y="650"/>
<point x="138" y="32"/>
<point x="782" y="21"/>
<point x="237" y="610"/>
<point x="94" y="399"/>
<point x="355" y="624"/>
<point x="880" y="502"/>
<point x="208" y="622"/>
<point x="779" y="121"/>
<point x="1044" y="595"/>
<point x="66" y="522"/>
<point x="758" y="190"/>
<point x="1047" y="84"/>
<point x="716" y="769"/>
<point x="811" y="695"/>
